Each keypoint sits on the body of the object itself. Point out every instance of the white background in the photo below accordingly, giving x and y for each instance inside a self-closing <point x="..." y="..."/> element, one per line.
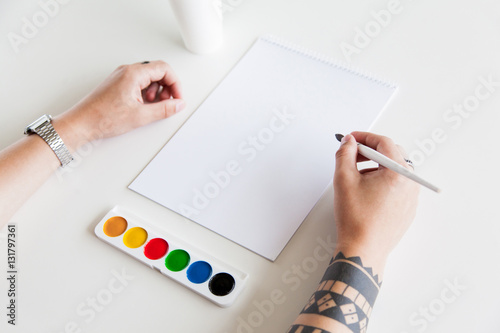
<point x="435" y="51"/>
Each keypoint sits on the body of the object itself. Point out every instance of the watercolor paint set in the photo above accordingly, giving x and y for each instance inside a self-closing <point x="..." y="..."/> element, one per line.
<point x="171" y="256"/>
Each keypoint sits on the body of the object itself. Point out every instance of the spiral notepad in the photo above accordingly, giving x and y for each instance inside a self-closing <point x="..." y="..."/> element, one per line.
<point x="258" y="153"/>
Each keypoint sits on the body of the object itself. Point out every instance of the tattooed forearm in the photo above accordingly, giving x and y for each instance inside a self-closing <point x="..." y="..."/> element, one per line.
<point x="343" y="301"/>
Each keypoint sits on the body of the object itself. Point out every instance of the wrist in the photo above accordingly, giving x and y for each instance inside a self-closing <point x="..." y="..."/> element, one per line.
<point x="72" y="131"/>
<point x="371" y="257"/>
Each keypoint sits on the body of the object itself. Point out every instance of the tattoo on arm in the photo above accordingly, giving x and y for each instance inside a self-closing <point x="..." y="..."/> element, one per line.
<point x="343" y="301"/>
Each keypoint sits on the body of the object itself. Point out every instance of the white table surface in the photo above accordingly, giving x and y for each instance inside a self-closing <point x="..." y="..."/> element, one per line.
<point x="436" y="51"/>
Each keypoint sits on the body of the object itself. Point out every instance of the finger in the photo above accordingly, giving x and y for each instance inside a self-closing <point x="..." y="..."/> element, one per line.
<point x="361" y="158"/>
<point x="402" y="151"/>
<point x="151" y="91"/>
<point x="382" y="144"/>
<point x="175" y="90"/>
<point x="405" y="157"/>
<point x="165" y="93"/>
<point x="162" y="109"/>
<point x="368" y="170"/>
<point x="157" y="71"/>
<point x="345" y="160"/>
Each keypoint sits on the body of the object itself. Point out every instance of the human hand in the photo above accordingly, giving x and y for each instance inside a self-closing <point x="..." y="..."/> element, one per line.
<point x="372" y="208"/>
<point x="132" y="96"/>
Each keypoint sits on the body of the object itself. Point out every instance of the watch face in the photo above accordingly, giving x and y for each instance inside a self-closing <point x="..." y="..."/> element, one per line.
<point x="37" y="123"/>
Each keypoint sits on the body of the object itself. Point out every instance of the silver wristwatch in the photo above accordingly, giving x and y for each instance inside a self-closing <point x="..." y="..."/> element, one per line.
<point x="43" y="127"/>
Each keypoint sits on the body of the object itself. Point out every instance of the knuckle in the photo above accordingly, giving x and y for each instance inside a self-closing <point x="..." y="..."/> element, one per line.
<point x="122" y="68"/>
<point x="386" y="142"/>
<point x="127" y="69"/>
<point x="340" y="153"/>
<point x="166" y="111"/>
<point x="160" y="64"/>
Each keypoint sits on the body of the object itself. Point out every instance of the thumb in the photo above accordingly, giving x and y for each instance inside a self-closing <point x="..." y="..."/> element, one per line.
<point x="163" y="109"/>
<point x="346" y="157"/>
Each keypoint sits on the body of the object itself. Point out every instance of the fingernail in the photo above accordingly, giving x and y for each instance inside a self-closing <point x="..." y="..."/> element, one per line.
<point x="345" y="139"/>
<point x="180" y="106"/>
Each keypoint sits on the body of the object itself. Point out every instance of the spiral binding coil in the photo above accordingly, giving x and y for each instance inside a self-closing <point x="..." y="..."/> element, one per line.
<point x="326" y="60"/>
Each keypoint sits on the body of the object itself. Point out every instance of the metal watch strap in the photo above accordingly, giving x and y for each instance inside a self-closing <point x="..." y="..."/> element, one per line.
<point x="49" y="134"/>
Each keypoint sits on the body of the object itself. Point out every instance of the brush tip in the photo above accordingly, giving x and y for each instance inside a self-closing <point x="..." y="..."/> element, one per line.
<point x="339" y="137"/>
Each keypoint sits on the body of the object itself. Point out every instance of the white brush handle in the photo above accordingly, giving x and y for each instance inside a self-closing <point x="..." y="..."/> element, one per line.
<point x="392" y="165"/>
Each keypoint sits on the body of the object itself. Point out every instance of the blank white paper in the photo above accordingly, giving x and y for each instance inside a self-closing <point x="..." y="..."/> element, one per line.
<point x="258" y="153"/>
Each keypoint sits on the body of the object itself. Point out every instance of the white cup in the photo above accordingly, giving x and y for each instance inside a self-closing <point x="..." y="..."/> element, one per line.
<point x="200" y="24"/>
